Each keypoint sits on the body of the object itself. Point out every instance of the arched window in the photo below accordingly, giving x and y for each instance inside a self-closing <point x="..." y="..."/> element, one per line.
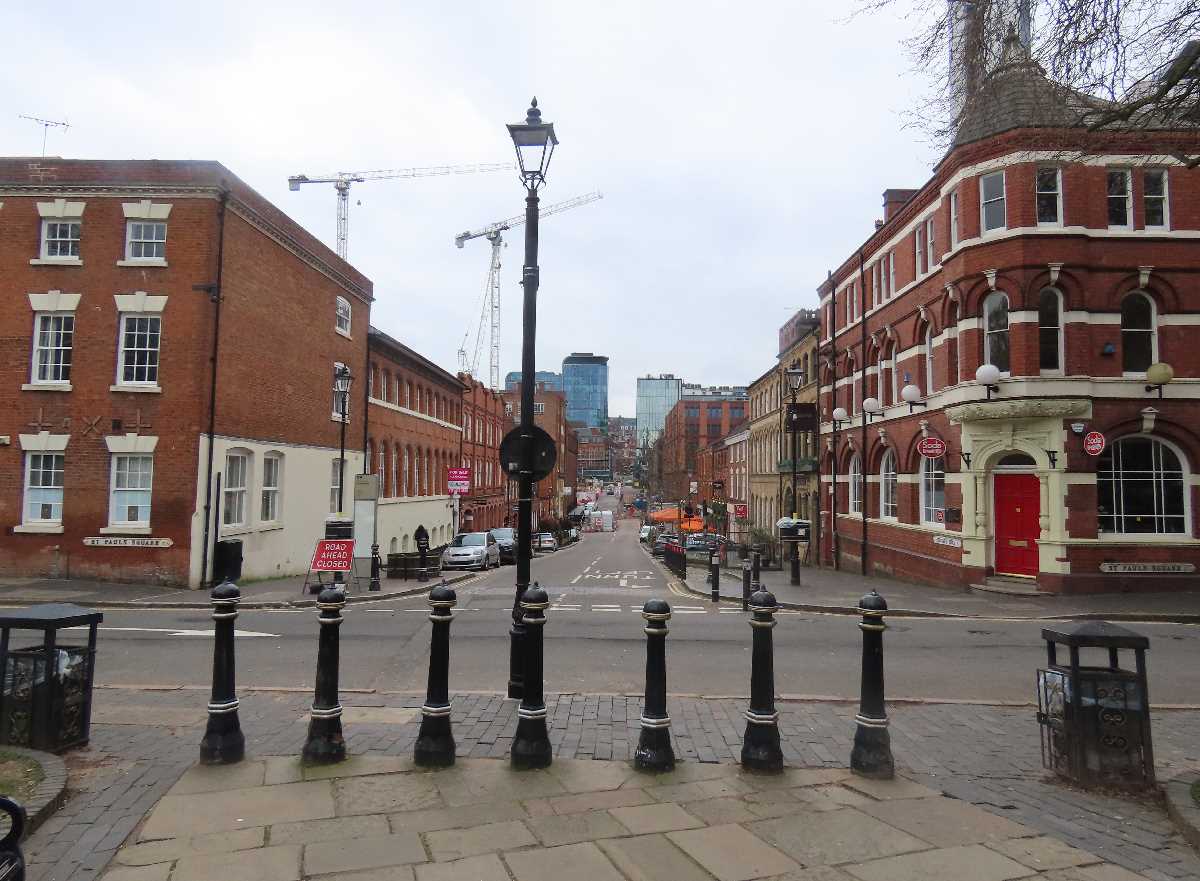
<point x="856" y="484"/>
<point x="883" y="384"/>
<point x="405" y="484"/>
<point x="1141" y="488"/>
<point x="1139" y="335"/>
<point x="933" y="491"/>
<point x="394" y="546"/>
<point x="1050" y="354"/>
<point x="887" y="485"/>
<point x="928" y="346"/>
<point x="395" y="471"/>
<point x="995" y="331"/>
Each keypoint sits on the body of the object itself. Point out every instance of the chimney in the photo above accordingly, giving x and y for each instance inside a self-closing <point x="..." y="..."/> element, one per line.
<point x="894" y="200"/>
<point x="879" y="224"/>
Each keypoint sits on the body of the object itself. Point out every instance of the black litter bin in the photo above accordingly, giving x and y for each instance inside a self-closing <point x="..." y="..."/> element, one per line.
<point x="46" y="690"/>
<point x="227" y="561"/>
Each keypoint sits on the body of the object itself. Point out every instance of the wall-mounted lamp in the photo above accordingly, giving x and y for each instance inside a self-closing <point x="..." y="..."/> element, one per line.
<point x="966" y="457"/>
<point x="1077" y="427"/>
<point x="872" y="408"/>
<point x="840" y="418"/>
<point x="1052" y="455"/>
<point x="1158" y="375"/>
<point x="988" y="375"/>
<point x="911" y="395"/>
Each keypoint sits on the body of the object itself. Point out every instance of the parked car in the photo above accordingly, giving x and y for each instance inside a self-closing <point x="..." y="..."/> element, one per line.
<point x="545" y="541"/>
<point x="506" y="540"/>
<point x="471" y="550"/>
<point x="661" y="542"/>
<point x="645" y="534"/>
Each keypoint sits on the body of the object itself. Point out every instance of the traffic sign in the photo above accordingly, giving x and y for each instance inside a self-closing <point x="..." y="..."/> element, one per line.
<point x="333" y="555"/>
<point x="739" y="511"/>
<point x="1093" y="443"/>
<point x="931" y="447"/>
<point x="458" y="481"/>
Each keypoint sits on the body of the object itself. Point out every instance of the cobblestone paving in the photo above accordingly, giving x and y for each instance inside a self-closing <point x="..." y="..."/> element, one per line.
<point x="985" y="755"/>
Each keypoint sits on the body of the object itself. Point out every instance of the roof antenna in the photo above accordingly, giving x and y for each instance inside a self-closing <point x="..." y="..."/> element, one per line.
<point x="46" y="124"/>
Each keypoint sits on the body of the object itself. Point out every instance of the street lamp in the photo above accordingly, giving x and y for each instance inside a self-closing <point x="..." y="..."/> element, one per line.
<point x="534" y="141"/>
<point x="1158" y="375"/>
<point x="341" y="387"/>
<point x="795" y="379"/>
<point x="872" y="408"/>
<point x="988" y="375"/>
<point x="911" y="395"/>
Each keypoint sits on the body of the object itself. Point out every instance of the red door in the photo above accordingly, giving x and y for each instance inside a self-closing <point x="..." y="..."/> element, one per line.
<point x="1018" y="504"/>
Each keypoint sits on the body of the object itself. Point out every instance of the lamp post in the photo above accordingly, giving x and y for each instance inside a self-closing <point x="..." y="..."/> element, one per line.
<point x="534" y="141"/>
<point x="795" y="378"/>
<point x="1158" y="375"/>
<point x="988" y="375"/>
<point x="341" y="386"/>
<point x="839" y="418"/>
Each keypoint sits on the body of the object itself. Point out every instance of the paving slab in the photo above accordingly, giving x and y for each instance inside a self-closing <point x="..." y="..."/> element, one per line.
<point x="573" y="828"/>
<point x="391" y="873"/>
<point x="482" y="868"/>
<point x="645" y="819"/>
<point x="436" y="819"/>
<point x="1044" y="853"/>
<point x="699" y="789"/>
<point x="385" y="793"/>
<point x="139" y="873"/>
<point x="652" y="858"/>
<point x="1105" y="872"/>
<point x="173" y="848"/>
<point x="969" y="863"/>
<point x="215" y="778"/>
<point x="265" y="864"/>
<point x="372" y="852"/>
<point x="945" y="822"/>
<point x="454" y="844"/>
<point x="335" y="829"/>
<point x="828" y="798"/>
<point x="587" y="801"/>
<point x="362" y="766"/>
<point x="584" y="861"/>
<point x="177" y="816"/>
<point x="885" y="790"/>
<point x="495" y="785"/>
<point x="730" y="853"/>
<point x="828" y="838"/>
<point x="718" y="811"/>
<point x="585" y="775"/>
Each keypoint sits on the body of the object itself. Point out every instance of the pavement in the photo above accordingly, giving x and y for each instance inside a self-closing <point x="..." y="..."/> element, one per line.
<point x="380" y="817"/>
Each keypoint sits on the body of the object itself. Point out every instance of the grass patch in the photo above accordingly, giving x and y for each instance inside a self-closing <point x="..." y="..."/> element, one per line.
<point x="19" y="775"/>
<point x="1196" y="793"/>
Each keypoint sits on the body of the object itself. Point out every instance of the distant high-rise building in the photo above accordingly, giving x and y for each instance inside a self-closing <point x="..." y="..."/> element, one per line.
<point x="585" y="382"/>
<point x="551" y="381"/>
<point x="656" y="395"/>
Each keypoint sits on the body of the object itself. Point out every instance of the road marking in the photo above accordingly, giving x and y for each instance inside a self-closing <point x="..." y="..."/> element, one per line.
<point x="576" y="579"/>
<point x="587" y="569"/>
<point x="175" y="631"/>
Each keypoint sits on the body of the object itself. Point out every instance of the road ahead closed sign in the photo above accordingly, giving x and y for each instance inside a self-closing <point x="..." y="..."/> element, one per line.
<point x="333" y="555"/>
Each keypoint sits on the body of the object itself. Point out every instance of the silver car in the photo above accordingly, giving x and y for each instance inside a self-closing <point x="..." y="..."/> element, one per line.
<point x="471" y="550"/>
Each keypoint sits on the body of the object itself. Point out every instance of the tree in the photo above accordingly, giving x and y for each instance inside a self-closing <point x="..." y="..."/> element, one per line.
<point x="1132" y="65"/>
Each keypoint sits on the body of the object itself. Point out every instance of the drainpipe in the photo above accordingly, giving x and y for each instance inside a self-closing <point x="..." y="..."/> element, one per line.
<point x="216" y="297"/>
<point x="862" y="373"/>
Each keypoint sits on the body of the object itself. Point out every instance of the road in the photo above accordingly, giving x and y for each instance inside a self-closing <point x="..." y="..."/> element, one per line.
<point x="594" y="641"/>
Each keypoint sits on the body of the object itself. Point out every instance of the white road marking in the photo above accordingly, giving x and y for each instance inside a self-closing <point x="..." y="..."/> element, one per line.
<point x="177" y="631"/>
<point x="576" y="579"/>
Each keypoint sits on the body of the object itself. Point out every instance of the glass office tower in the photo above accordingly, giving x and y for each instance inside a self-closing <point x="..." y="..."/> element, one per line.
<point x="553" y="382"/>
<point x="585" y="384"/>
<point x="656" y="395"/>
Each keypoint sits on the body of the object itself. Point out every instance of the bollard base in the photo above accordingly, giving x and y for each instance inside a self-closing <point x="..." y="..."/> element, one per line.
<point x="435" y="743"/>
<point x="531" y="747"/>
<point x="654" y="751"/>
<point x="516" y="661"/>
<point x="325" y="744"/>
<point x="872" y="753"/>
<point x="223" y="743"/>
<point x="760" y="748"/>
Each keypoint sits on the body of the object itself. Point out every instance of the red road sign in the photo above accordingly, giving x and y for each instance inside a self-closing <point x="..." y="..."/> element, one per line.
<point x="739" y="511"/>
<point x="1093" y="443"/>
<point x="931" y="447"/>
<point x="458" y="481"/>
<point x="333" y="555"/>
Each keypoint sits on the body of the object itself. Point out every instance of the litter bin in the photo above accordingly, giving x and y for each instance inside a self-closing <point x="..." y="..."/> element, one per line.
<point x="1095" y="720"/>
<point x="46" y="690"/>
<point x="227" y="560"/>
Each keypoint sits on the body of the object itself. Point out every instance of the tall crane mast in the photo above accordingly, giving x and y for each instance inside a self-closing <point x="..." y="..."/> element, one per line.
<point x="343" y="179"/>
<point x="493" y="232"/>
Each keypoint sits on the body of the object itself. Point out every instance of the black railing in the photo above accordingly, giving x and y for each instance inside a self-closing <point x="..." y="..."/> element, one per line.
<point x="676" y="560"/>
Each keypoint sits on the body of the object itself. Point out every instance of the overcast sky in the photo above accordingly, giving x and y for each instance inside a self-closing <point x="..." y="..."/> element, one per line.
<point x="742" y="149"/>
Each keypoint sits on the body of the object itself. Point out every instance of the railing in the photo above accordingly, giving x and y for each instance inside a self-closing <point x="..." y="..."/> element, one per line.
<point x="675" y="559"/>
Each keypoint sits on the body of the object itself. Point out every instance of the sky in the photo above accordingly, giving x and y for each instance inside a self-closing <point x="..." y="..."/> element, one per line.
<point x="741" y="148"/>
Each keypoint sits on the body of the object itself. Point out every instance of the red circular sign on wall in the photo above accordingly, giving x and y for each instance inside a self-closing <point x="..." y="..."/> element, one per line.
<point x="931" y="447"/>
<point x="1093" y="443"/>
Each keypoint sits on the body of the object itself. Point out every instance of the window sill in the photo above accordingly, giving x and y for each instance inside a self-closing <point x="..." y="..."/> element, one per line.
<point x="125" y="530"/>
<point x="344" y="333"/>
<point x="46" y="387"/>
<point x="235" y="531"/>
<point x="933" y="524"/>
<point x="137" y="389"/>
<point x="136" y="262"/>
<point x="337" y="417"/>
<point x="39" y="528"/>
<point x="55" y="261"/>
<point x="273" y="526"/>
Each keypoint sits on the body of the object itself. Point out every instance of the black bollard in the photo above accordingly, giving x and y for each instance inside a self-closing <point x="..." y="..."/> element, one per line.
<point x="223" y="743"/>
<point x="423" y="572"/>
<point x="746" y="585"/>
<point x="760" y="745"/>
<point x="714" y="565"/>
<point x="435" y="741"/>
<point x="325" y="744"/>
<point x="654" y="751"/>
<point x="756" y="568"/>
<point x="12" y="861"/>
<point x="872" y="753"/>
<point x="531" y="746"/>
<point x="376" y="564"/>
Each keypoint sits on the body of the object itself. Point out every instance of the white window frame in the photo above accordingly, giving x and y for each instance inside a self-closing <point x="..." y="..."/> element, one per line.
<point x="954" y="219"/>
<point x="928" y="346"/>
<point x="131" y="240"/>
<point x="888" y="487"/>
<point x="114" y="510"/>
<point x="1165" y="198"/>
<point x="343" y="314"/>
<point x="1153" y="331"/>
<point x="928" y="481"/>
<point x="1038" y="192"/>
<point x="1156" y="472"/>
<point x="891" y="285"/>
<point x="854" y="477"/>
<point x="272" y="491"/>
<point x="44" y="252"/>
<point x="335" y="481"/>
<point x="239" y="492"/>
<point x="930" y="246"/>
<point x="1007" y="331"/>
<point x="984" y="202"/>
<point x="1108" y="197"/>
<point x="27" y="504"/>
<point x="124" y="317"/>
<point x="1052" y="371"/>
<point x="539" y="408"/>
<point x="919" y="251"/>
<point x="34" y="378"/>
<point x="875" y="301"/>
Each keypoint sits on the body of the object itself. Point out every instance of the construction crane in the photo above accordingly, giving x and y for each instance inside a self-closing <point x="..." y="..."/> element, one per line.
<point x="491" y="293"/>
<point x="343" y="179"/>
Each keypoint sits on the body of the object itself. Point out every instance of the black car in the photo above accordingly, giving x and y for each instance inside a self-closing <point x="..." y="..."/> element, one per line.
<point x="506" y="538"/>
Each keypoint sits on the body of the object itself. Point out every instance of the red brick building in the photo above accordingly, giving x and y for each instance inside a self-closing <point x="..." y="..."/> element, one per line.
<point x="415" y="413"/>
<point x="483" y="429"/>
<point x="1067" y="261"/>
<point x="692" y="423"/>
<point x="106" y="371"/>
